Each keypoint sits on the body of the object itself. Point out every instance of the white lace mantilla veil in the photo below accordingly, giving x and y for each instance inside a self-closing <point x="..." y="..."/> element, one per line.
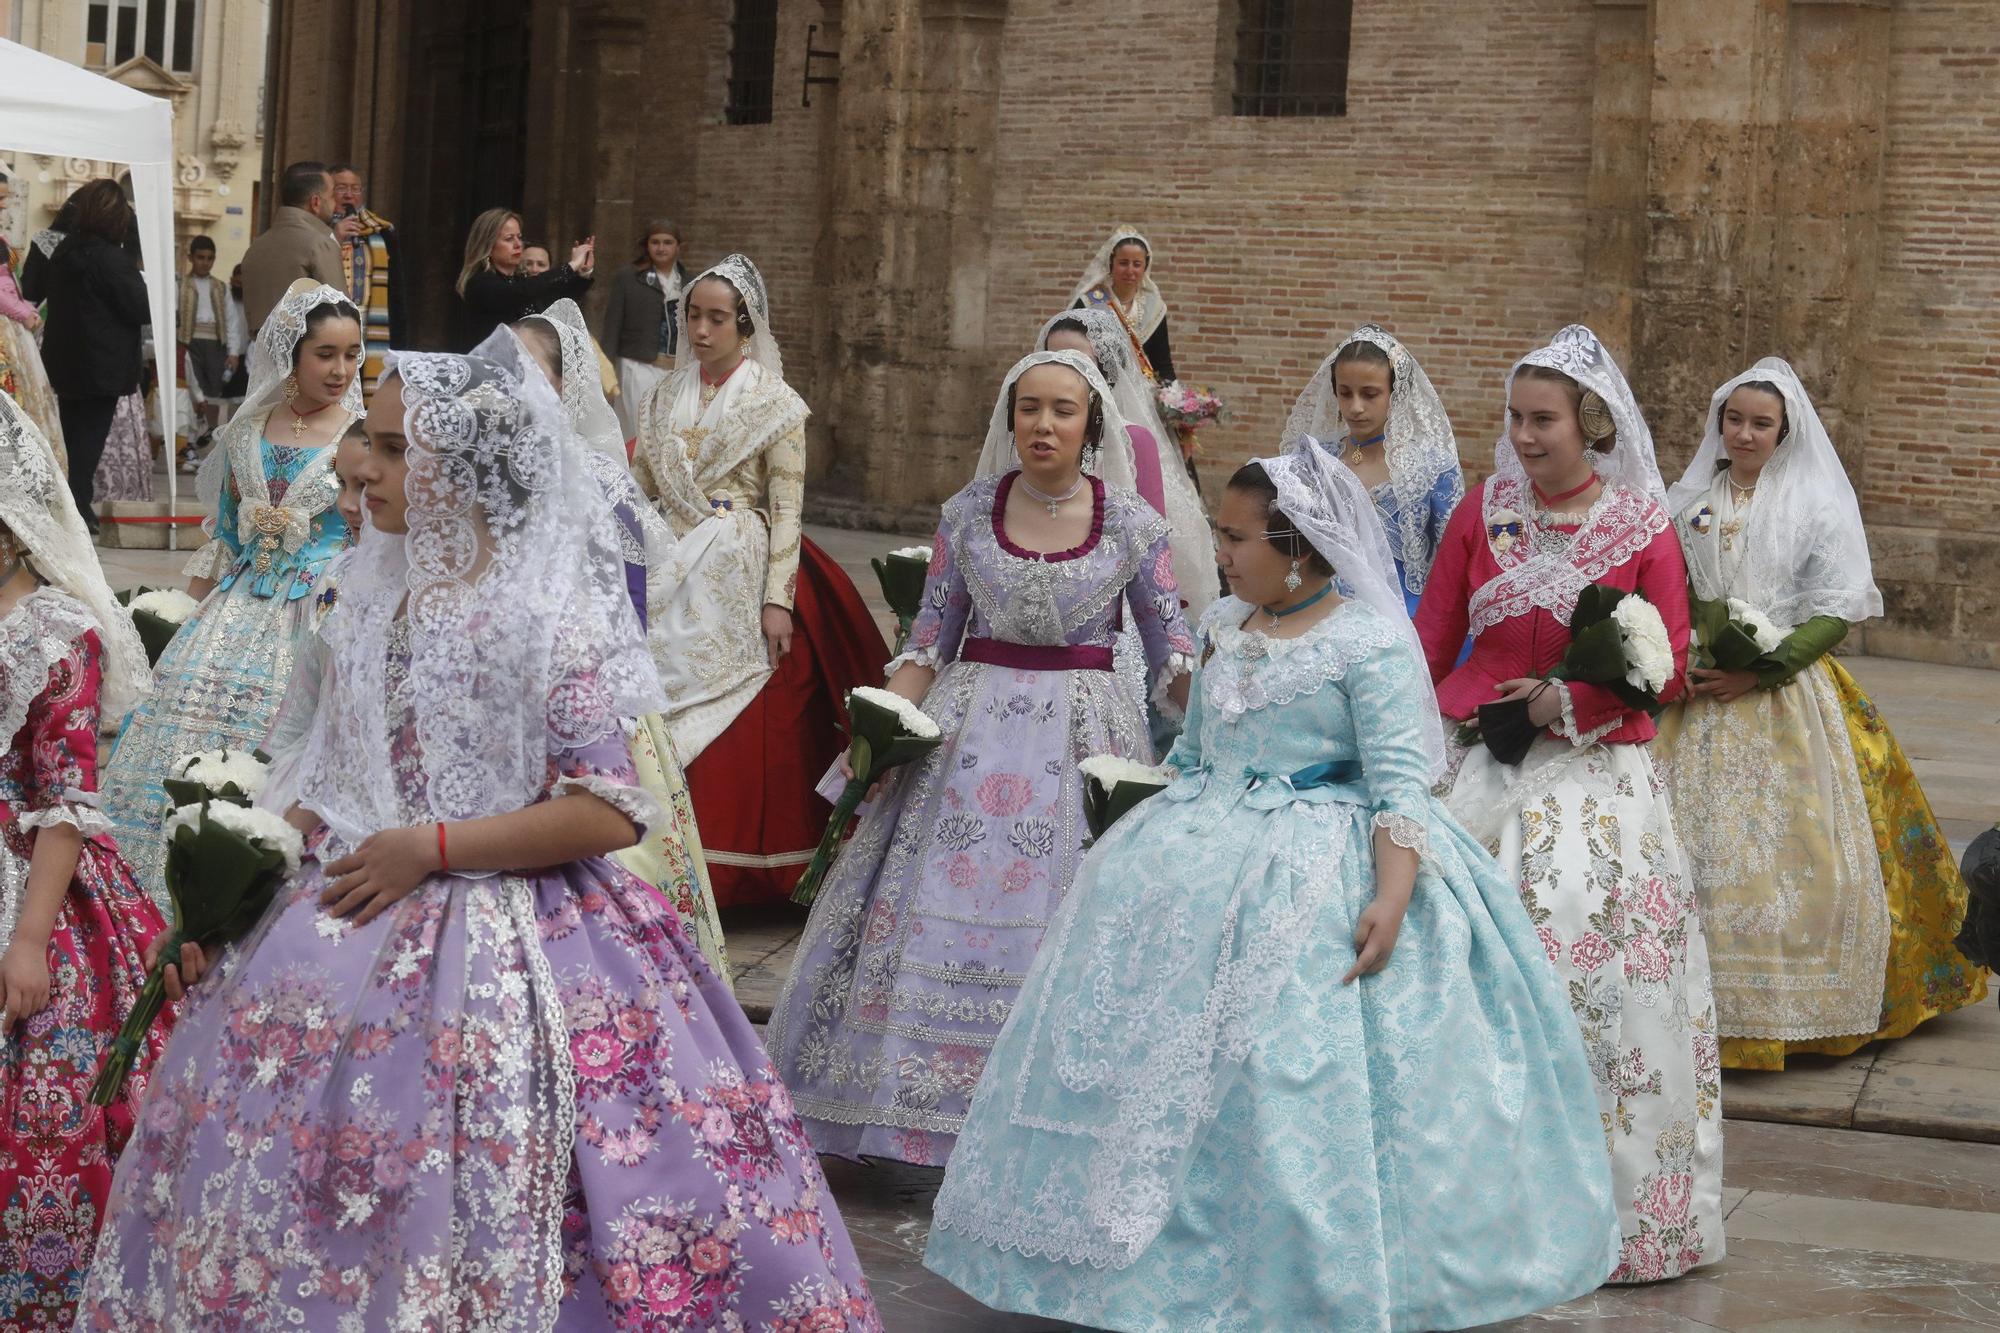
<point x="997" y="455"/>
<point x="1806" y="551"/>
<point x="1577" y="353"/>
<point x="1620" y="524"/>
<point x="36" y="505"/>
<point x="510" y="588"/>
<point x="644" y="536"/>
<point x="1331" y="508"/>
<point x="1419" y="447"/>
<point x="1151" y="305"/>
<point x="270" y="363"/>
<point x="1193" y="541"/>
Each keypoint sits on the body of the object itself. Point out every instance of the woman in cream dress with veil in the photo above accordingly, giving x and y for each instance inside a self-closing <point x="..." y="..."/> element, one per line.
<point x="670" y="858"/>
<point x="759" y="634"/>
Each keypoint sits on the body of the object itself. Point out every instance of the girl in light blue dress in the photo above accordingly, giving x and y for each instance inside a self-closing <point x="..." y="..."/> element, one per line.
<point x="1292" y="1056"/>
<point x="1371" y="406"/>
<point x="271" y="489"/>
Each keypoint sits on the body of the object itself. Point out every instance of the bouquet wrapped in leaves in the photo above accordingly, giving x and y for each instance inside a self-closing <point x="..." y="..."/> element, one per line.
<point x="1617" y="640"/>
<point x="1732" y="635"/>
<point x="158" y="614"/>
<point x="888" y="730"/>
<point x="225" y="862"/>
<point x="1112" y="787"/>
<point x="902" y="574"/>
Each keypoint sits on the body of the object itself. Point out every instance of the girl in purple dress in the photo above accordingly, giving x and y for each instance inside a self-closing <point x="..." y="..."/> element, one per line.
<point x="434" y="1087"/>
<point x="920" y="939"/>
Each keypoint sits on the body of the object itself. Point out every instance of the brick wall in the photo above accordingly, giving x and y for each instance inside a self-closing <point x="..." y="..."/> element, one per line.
<point x="1448" y="204"/>
<point x="1931" y="483"/>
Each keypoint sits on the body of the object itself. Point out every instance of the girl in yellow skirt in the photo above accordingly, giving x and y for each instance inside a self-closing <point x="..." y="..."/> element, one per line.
<point x="1831" y="897"/>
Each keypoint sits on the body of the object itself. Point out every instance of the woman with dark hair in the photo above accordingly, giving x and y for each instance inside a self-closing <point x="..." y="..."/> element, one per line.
<point x="1579" y="821"/>
<point x="91" y="348"/>
<point x="496" y="290"/>
<point x="1831" y="895"/>
<point x="640" y="329"/>
<point x="932" y="914"/>
<point x="270" y="487"/>
<point x="1278" y="990"/>
<point x="762" y="634"/>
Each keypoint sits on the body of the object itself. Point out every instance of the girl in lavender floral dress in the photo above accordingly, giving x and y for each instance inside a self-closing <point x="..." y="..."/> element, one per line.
<point x="918" y="942"/>
<point x="434" y="1089"/>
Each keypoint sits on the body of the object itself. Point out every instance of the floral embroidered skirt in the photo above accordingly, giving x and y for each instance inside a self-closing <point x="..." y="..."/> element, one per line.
<point x="56" y="1149"/>
<point x="125" y="470"/>
<point x="504" y="1104"/>
<point x="1926" y="974"/>
<point x="670" y="859"/>
<point x="1586" y="835"/>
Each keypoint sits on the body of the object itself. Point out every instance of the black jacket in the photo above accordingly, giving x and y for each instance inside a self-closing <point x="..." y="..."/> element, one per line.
<point x="97" y="305"/>
<point x="493" y="299"/>
<point x="631" y="324"/>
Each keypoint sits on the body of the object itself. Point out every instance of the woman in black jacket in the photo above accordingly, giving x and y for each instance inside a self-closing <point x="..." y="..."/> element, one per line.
<point x="90" y="344"/>
<point x="639" y="331"/>
<point x="493" y="288"/>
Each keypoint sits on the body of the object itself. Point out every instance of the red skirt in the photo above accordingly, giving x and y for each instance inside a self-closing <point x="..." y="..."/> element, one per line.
<point x="752" y="787"/>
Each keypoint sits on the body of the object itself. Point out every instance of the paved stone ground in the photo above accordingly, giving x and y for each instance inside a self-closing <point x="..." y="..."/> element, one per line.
<point x="1862" y="1193"/>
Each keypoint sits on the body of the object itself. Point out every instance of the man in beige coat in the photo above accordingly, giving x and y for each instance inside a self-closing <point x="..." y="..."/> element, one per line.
<point x="298" y="244"/>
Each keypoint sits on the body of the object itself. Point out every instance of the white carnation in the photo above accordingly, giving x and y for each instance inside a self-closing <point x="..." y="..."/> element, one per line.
<point x="914" y="719"/>
<point x="1647" y="649"/>
<point x="1767" y="635"/>
<point x="922" y="553"/>
<point x="1108" y="770"/>
<point x="217" y="769"/>
<point x="260" y="827"/>
<point x="169" y="604"/>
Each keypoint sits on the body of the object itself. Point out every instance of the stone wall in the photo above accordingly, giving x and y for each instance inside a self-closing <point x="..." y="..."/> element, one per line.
<point x="1705" y="182"/>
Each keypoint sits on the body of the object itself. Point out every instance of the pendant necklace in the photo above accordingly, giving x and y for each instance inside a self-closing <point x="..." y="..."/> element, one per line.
<point x="299" y="419"/>
<point x="1279" y="613"/>
<point x="1739" y="500"/>
<point x="1354" y="448"/>
<point x="1052" y="503"/>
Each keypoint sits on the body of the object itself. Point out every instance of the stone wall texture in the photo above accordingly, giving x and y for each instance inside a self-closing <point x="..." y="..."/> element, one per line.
<point x="1706" y="182"/>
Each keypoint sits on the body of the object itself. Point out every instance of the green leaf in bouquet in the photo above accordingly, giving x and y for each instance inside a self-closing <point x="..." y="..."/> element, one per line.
<point x="1731" y="648"/>
<point x="1102" y="809"/>
<point x="1594" y="606"/>
<point x="154" y="633"/>
<point x="1596" y="656"/>
<point x="902" y="578"/>
<point x="211" y="872"/>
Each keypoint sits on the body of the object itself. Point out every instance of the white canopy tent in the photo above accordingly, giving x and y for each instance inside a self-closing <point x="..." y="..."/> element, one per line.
<point x="48" y="105"/>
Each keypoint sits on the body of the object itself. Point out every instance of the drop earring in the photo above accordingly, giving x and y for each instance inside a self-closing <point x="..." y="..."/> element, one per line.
<point x="1292" y="580"/>
<point x="291" y="386"/>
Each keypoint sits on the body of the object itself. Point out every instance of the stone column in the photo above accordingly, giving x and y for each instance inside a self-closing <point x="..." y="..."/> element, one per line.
<point x="607" y="47"/>
<point x="1615" y="198"/>
<point x="911" y="254"/>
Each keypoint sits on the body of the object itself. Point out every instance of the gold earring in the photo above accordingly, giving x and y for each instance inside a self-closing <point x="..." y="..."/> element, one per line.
<point x="291" y="386"/>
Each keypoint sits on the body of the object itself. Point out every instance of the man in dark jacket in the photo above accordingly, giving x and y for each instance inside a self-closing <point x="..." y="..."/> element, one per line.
<point x="298" y="244"/>
<point x="90" y="345"/>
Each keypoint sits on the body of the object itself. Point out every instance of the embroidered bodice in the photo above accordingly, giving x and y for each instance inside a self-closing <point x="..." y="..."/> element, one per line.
<point x="982" y="585"/>
<point x="283" y="545"/>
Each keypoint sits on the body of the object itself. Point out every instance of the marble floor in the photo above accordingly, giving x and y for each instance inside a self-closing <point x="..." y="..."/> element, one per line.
<point x="1863" y="1194"/>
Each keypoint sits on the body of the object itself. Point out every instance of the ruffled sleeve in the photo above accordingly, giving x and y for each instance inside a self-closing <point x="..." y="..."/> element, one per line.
<point x="1388" y="720"/>
<point x="940" y="624"/>
<point x="62" y="739"/>
<point x="1155" y="599"/>
<point x="604" y="769"/>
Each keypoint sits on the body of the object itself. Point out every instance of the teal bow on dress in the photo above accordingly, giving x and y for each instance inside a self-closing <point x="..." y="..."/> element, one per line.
<point x="1336" y="781"/>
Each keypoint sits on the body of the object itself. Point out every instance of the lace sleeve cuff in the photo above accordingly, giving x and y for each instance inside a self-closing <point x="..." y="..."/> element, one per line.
<point x="76" y="808"/>
<point x="1405" y="832"/>
<point x="928" y="656"/>
<point x="1177" y="665"/>
<point x="632" y="802"/>
<point x="1565" y="727"/>
<point x="210" y="562"/>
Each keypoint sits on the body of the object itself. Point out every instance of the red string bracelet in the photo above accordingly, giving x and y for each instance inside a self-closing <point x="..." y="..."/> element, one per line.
<point x="444" y="862"/>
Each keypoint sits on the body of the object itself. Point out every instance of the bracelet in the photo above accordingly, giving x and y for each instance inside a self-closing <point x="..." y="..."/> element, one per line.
<point x="444" y="862"/>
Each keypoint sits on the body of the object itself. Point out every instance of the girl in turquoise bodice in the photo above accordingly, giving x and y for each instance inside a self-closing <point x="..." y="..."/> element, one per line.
<point x="1291" y="1056"/>
<point x="275" y="529"/>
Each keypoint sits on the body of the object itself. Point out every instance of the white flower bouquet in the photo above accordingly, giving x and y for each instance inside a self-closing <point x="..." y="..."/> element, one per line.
<point x="234" y="777"/>
<point x="158" y="614"/>
<point x="1617" y="640"/>
<point x="887" y="730"/>
<point x="902" y="574"/>
<point x="1113" y="786"/>
<point x="224" y="864"/>
<point x="1733" y="635"/>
